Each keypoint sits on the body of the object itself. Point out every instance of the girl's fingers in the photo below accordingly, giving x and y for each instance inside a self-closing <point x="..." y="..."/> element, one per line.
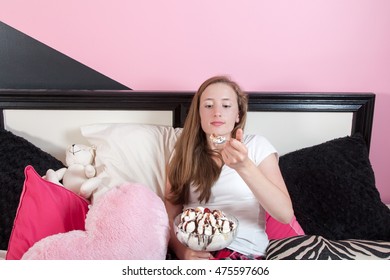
<point x="239" y="134"/>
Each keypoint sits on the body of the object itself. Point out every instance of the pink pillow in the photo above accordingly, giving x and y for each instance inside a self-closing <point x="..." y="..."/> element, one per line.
<point x="129" y="222"/>
<point x="44" y="209"/>
<point x="277" y="230"/>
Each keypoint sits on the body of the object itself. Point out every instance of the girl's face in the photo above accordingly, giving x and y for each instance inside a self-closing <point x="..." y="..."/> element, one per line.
<point x="218" y="110"/>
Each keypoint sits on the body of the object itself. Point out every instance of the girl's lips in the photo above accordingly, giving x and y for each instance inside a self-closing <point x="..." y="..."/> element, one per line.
<point x="217" y="123"/>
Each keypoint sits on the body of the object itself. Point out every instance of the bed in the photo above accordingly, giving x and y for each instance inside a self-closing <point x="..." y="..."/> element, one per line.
<point x="323" y="140"/>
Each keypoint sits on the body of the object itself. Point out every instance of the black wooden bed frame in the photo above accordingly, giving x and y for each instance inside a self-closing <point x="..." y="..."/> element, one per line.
<point x="360" y="104"/>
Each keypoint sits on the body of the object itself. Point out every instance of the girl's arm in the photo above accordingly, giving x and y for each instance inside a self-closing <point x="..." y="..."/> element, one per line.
<point x="265" y="180"/>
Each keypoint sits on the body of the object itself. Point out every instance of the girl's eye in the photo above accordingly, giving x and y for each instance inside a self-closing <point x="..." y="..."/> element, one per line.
<point x="208" y="105"/>
<point x="227" y="106"/>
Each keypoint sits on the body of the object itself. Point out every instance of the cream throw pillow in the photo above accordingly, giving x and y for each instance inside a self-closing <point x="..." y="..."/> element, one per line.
<point x="132" y="153"/>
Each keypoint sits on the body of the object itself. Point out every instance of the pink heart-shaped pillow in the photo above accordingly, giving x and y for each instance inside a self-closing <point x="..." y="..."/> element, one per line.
<point x="129" y="222"/>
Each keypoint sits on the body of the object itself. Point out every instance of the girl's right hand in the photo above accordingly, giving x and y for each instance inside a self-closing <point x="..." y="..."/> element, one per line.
<point x="189" y="254"/>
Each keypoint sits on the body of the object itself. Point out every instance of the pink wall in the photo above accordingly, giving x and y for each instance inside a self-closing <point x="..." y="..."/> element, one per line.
<point x="333" y="45"/>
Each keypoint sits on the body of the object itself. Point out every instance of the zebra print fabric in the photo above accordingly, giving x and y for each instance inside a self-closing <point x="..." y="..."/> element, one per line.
<point x="314" y="247"/>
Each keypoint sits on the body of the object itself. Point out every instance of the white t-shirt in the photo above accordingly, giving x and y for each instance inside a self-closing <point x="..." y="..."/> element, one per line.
<point x="231" y="195"/>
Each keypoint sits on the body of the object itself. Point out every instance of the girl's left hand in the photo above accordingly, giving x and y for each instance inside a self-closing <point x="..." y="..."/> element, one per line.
<point x="235" y="153"/>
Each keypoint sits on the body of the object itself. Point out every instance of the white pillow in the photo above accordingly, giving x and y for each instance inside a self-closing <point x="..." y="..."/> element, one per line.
<point x="132" y="153"/>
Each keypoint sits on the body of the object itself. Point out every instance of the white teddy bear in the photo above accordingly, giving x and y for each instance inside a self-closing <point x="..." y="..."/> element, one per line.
<point x="80" y="175"/>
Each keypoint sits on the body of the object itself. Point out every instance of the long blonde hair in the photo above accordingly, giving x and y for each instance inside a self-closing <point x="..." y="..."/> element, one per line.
<point x="192" y="161"/>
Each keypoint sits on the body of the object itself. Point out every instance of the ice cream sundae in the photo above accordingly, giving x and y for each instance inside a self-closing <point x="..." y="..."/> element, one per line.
<point x="203" y="229"/>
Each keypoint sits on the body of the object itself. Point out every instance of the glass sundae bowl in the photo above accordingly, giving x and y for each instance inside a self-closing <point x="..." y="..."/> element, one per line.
<point x="203" y="230"/>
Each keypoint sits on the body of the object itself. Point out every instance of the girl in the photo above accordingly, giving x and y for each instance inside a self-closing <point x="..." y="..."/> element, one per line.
<point x="240" y="176"/>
